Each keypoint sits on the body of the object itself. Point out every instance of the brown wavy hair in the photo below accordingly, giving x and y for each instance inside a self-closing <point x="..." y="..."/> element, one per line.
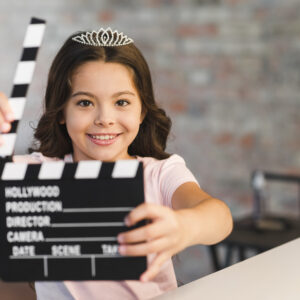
<point x="52" y="138"/>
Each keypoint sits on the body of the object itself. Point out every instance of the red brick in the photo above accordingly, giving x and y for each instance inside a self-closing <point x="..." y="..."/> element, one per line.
<point x="178" y="107"/>
<point x="247" y="141"/>
<point x="224" y="138"/>
<point x="106" y="16"/>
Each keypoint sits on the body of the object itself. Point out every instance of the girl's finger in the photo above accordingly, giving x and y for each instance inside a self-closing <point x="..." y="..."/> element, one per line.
<point x="143" y="249"/>
<point x="145" y="211"/>
<point x="5" y="108"/>
<point x="4" y="126"/>
<point x="154" y="267"/>
<point x="144" y="233"/>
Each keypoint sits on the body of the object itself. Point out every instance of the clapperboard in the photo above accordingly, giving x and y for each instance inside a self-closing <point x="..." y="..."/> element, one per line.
<point x="60" y="221"/>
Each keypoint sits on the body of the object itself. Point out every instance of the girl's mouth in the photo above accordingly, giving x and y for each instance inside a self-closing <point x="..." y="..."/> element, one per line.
<point x="103" y="139"/>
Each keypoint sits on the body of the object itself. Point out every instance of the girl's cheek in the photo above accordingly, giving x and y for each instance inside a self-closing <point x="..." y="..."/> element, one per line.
<point x="71" y="123"/>
<point x="76" y="119"/>
<point x="133" y="118"/>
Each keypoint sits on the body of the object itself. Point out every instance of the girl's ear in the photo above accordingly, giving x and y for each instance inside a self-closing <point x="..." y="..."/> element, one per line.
<point x="62" y="119"/>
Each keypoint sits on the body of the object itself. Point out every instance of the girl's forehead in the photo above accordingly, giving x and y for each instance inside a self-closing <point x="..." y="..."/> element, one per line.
<point x="103" y="77"/>
<point x="102" y="67"/>
<point x="99" y="70"/>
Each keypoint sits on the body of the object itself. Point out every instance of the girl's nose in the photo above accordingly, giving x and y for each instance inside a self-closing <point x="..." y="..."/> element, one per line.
<point x="104" y="118"/>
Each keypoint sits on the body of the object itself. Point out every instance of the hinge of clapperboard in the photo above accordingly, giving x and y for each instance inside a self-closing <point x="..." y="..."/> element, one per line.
<point x="23" y="76"/>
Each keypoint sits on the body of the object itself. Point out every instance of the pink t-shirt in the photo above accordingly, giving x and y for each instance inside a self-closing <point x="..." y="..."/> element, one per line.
<point x="161" y="179"/>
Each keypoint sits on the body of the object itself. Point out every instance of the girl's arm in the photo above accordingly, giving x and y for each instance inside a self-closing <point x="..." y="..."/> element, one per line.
<point x="208" y="219"/>
<point x="196" y="218"/>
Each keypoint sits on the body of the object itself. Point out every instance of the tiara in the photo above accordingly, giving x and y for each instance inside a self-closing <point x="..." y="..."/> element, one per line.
<point x="103" y="37"/>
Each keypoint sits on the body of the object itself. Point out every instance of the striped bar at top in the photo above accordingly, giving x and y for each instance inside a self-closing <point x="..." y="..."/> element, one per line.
<point x="23" y="77"/>
<point x="54" y="170"/>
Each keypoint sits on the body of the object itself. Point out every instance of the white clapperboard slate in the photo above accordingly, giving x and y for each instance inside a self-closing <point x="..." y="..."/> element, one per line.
<point x="60" y="221"/>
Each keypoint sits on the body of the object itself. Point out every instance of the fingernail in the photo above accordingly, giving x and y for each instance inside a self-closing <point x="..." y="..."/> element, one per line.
<point x="5" y="127"/>
<point x="126" y="220"/>
<point x="122" y="249"/>
<point x="120" y="238"/>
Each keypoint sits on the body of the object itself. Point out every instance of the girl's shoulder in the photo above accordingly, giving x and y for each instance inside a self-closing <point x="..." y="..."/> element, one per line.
<point x="163" y="177"/>
<point x="152" y="162"/>
<point x="33" y="158"/>
<point x="172" y="169"/>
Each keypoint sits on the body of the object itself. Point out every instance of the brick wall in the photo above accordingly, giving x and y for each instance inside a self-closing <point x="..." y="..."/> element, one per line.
<point x="227" y="72"/>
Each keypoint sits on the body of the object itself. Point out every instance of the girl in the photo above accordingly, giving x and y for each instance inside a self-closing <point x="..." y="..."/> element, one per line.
<point x="99" y="104"/>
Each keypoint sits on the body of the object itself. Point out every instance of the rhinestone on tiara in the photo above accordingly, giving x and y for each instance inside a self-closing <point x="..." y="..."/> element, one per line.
<point x="103" y="37"/>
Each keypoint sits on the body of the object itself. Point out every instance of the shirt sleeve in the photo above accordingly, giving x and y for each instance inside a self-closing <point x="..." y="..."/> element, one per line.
<point x="173" y="173"/>
<point x="33" y="158"/>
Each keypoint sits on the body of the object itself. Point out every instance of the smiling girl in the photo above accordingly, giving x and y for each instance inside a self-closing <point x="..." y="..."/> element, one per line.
<point x="99" y="105"/>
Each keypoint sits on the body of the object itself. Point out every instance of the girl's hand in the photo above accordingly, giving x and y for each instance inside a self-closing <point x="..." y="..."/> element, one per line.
<point x="165" y="235"/>
<point x="6" y="115"/>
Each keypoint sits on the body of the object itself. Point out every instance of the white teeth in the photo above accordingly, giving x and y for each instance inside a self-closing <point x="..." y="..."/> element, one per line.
<point x="103" y="137"/>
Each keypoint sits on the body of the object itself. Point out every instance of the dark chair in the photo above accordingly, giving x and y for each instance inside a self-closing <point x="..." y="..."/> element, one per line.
<point x="260" y="231"/>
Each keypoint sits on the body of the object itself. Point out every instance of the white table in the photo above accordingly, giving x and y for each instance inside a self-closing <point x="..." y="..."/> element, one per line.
<point x="272" y="275"/>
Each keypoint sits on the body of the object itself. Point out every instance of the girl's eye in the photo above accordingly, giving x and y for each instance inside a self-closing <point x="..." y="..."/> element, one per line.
<point x="122" y="102"/>
<point x="84" y="103"/>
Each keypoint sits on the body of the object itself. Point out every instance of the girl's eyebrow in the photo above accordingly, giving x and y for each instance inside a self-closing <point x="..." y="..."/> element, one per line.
<point x="83" y="94"/>
<point x="123" y="93"/>
<point x="93" y="96"/>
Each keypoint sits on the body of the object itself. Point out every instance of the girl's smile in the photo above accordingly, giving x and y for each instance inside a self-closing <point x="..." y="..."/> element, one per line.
<point x="104" y="111"/>
<point x="103" y="139"/>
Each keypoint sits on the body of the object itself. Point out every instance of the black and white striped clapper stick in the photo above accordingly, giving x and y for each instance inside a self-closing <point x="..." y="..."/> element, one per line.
<point x="22" y="80"/>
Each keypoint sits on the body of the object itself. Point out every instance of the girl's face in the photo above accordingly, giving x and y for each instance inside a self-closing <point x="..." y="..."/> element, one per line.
<point x="104" y="112"/>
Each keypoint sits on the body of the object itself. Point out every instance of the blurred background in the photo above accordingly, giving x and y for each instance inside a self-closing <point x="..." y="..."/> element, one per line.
<point x="226" y="71"/>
